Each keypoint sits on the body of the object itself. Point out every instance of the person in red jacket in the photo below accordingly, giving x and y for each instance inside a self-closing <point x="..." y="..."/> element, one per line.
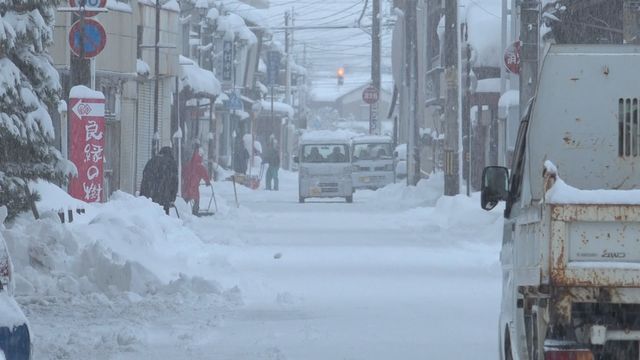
<point x="193" y="172"/>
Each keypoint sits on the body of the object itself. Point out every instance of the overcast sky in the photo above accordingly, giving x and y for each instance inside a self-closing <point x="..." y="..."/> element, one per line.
<point x="329" y="49"/>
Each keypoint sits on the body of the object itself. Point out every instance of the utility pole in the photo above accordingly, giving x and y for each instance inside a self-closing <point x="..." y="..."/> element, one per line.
<point x="411" y="56"/>
<point x="529" y="35"/>
<point x="451" y="146"/>
<point x="287" y="95"/>
<point x="156" y="73"/>
<point x="375" y="63"/>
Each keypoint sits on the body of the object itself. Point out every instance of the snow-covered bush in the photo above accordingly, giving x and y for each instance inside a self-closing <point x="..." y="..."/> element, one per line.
<point x="29" y="92"/>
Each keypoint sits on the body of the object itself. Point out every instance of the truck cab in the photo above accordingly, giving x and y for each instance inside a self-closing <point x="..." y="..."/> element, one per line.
<point x="324" y="163"/>
<point x="571" y="238"/>
<point x="373" y="163"/>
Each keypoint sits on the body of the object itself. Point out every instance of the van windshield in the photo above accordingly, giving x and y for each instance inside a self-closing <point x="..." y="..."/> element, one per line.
<point x="325" y="153"/>
<point x="374" y="151"/>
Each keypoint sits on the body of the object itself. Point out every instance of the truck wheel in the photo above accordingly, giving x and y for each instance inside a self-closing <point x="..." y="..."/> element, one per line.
<point x="349" y="199"/>
<point x="301" y="200"/>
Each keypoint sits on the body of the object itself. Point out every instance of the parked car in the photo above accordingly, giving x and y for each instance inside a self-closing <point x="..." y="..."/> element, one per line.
<point x="15" y="339"/>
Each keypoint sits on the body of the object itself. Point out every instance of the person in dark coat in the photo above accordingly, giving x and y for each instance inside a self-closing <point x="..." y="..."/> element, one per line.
<point x="241" y="159"/>
<point x="272" y="157"/>
<point x="193" y="172"/>
<point x="160" y="179"/>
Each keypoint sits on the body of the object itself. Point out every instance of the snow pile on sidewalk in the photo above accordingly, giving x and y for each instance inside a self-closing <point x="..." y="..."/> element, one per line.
<point x="125" y="247"/>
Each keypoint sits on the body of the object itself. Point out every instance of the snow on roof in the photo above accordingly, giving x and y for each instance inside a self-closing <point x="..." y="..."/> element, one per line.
<point x="278" y="107"/>
<point x="562" y="193"/>
<point x="221" y="99"/>
<point x="81" y="91"/>
<point x="329" y="91"/>
<point x="119" y="6"/>
<point x="508" y="99"/>
<point x="277" y="46"/>
<point x="171" y="5"/>
<point x="199" y="81"/>
<point x="142" y="68"/>
<point x="298" y="69"/>
<point x="241" y="114"/>
<point x="488" y="85"/>
<point x="255" y="16"/>
<point x="328" y="136"/>
<point x="483" y="21"/>
<point x="213" y="14"/>
<point x="263" y="88"/>
<point x="233" y="24"/>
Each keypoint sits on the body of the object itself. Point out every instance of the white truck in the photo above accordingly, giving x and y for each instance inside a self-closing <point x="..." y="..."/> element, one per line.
<point x="373" y="162"/>
<point x="324" y="166"/>
<point x="571" y="258"/>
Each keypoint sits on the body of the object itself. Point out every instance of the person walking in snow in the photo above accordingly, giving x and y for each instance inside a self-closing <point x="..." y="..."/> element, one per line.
<point x="193" y="172"/>
<point x="272" y="157"/>
<point x="160" y="179"/>
<point x="241" y="159"/>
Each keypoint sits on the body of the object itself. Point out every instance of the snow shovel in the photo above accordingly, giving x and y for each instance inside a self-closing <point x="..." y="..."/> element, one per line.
<point x="208" y="212"/>
<point x="213" y="196"/>
<point x="235" y="192"/>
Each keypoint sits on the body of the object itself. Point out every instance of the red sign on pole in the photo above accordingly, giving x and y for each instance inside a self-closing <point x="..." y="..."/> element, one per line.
<point x="89" y="4"/>
<point x="370" y="95"/>
<point x="87" y="143"/>
<point x="512" y="58"/>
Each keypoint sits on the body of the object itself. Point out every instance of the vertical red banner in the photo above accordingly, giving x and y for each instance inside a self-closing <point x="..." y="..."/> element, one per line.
<point x="86" y="118"/>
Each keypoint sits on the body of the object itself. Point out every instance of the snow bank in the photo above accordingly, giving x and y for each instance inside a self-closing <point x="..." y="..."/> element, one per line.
<point x="54" y="199"/>
<point x="125" y="246"/>
<point x="399" y="195"/>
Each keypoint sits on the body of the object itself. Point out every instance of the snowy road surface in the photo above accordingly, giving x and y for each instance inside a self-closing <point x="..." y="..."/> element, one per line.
<point x="398" y="274"/>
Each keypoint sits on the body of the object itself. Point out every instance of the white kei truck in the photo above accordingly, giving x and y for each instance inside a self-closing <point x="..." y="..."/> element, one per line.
<point x="324" y="166"/>
<point x="571" y="242"/>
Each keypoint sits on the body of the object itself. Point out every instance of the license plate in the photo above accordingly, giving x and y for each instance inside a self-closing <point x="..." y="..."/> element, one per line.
<point x="365" y="179"/>
<point x="316" y="191"/>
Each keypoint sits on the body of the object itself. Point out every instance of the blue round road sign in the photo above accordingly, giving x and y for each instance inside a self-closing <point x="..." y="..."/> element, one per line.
<point x="95" y="38"/>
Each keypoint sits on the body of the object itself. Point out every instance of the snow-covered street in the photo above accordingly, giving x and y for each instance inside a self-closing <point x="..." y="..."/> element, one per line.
<point x="398" y="274"/>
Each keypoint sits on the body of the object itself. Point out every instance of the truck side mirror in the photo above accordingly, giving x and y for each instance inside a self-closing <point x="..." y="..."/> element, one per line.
<point x="495" y="186"/>
<point x="296" y="159"/>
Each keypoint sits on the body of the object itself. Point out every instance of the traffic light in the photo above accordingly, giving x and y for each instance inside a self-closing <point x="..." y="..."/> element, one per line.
<point x="340" y="76"/>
